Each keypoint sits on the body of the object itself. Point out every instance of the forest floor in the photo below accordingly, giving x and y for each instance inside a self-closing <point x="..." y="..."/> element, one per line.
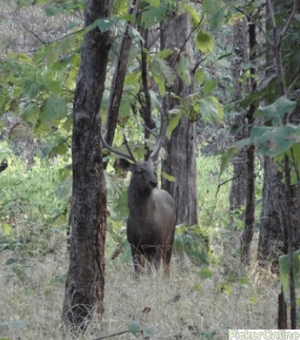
<point x="185" y="306"/>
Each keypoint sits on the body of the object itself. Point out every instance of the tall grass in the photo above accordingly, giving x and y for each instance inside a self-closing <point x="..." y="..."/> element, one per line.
<point x="196" y="302"/>
<point x="185" y="306"/>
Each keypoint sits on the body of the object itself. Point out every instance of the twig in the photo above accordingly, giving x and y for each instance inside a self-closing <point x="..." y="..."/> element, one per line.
<point x="228" y="180"/>
<point x="188" y="38"/>
<point x="282" y="33"/>
<point x="150" y="131"/>
<point x="197" y="64"/>
<point x="35" y="35"/>
<point x="54" y="40"/>
<point x="255" y="23"/>
<point x="116" y="334"/>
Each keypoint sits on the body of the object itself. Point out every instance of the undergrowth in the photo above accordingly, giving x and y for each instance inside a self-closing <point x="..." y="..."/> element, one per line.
<point x="208" y="292"/>
<point x="188" y="305"/>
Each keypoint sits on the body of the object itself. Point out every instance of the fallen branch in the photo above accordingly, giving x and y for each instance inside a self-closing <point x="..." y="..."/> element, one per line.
<point x="116" y="334"/>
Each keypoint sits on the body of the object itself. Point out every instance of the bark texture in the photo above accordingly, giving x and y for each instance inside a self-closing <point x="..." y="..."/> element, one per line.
<point x="181" y="148"/>
<point x="85" y="281"/>
<point x="247" y="235"/>
<point x="237" y="196"/>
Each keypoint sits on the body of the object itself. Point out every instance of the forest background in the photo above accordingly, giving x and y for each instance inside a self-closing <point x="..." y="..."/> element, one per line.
<point x="228" y="85"/>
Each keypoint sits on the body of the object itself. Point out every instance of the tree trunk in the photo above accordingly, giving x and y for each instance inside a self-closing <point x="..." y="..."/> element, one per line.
<point x="181" y="148"/>
<point x="237" y="196"/>
<point x="85" y="281"/>
<point x="247" y="235"/>
<point x="145" y="99"/>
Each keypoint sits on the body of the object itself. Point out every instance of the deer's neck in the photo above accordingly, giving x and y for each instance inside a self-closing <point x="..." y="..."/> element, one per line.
<point x="139" y="201"/>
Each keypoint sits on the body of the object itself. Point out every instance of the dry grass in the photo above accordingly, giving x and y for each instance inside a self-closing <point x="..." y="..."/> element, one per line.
<point x="182" y="307"/>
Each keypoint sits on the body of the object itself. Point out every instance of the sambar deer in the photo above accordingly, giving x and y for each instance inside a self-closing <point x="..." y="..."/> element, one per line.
<point x="151" y="221"/>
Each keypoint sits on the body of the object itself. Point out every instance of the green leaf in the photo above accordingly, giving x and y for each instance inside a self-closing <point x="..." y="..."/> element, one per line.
<point x="294" y="156"/>
<point x="132" y="78"/>
<point x="208" y="334"/>
<point x="205" y="273"/>
<point x="211" y="110"/>
<point x="204" y="42"/>
<point x="274" y="141"/>
<point x="226" y="157"/>
<point x="161" y="85"/>
<point x="154" y="3"/>
<point x="196" y="287"/>
<point x="276" y="111"/>
<point x="183" y="69"/>
<point x="153" y="15"/>
<point x="168" y="177"/>
<point x="200" y="76"/>
<point x="244" y="281"/>
<point x="133" y="327"/>
<point x="284" y="262"/>
<point x="54" y="108"/>
<point x="172" y="125"/>
<point x="125" y="108"/>
<point x="193" y="14"/>
<point x="209" y="86"/>
<point x="65" y="172"/>
<point x="53" y="86"/>
<point x="214" y="11"/>
<point x="31" y="88"/>
<point x="160" y="67"/>
<point x="31" y="113"/>
<point x="163" y="54"/>
<point x="147" y="331"/>
<point x="60" y="149"/>
<point x="120" y="7"/>
<point x="105" y="24"/>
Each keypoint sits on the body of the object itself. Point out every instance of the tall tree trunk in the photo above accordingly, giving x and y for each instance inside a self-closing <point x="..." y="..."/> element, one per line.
<point x="237" y="196"/>
<point x="85" y="281"/>
<point x="290" y="194"/>
<point x="181" y="148"/>
<point x="247" y="235"/>
<point x="144" y="95"/>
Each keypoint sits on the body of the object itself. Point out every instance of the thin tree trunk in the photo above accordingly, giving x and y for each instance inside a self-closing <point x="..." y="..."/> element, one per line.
<point x="247" y="234"/>
<point x="85" y="281"/>
<point x="237" y="196"/>
<point x="145" y="109"/>
<point x="181" y="148"/>
<point x="287" y="213"/>
<point x="116" y="89"/>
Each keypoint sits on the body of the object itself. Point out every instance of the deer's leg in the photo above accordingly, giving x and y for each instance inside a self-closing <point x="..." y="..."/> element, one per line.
<point x="156" y="260"/>
<point x="167" y="255"/>
<point x="153" y="257"/>
<point x="156" y="256"/>
<point x="137" y="259"/>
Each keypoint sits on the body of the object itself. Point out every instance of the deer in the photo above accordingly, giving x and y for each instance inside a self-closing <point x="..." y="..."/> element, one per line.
<point x="152" y="216"/>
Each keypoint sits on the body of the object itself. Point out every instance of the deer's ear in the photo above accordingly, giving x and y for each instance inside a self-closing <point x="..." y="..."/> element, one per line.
<point x="125" y="164"/>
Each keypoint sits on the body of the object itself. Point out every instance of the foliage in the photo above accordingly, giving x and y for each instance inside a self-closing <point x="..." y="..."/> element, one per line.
<point x="193" y="241"/>
<point x="33" y="201"/>
<point x="38" y="86"/>
<point x="284" y="261"/>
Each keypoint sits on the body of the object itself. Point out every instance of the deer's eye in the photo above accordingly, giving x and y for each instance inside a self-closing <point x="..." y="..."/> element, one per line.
<point x="139" y="171"/>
